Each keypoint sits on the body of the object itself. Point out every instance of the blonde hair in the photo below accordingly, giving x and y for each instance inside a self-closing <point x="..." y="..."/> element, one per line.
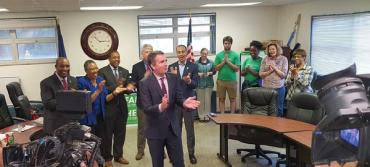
<point x="278" y="48"/>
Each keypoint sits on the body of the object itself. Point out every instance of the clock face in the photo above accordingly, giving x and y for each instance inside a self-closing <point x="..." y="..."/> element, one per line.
<point x="99" y="41"/>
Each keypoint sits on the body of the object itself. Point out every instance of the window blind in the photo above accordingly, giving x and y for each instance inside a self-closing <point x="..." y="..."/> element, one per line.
<point x="337" y="41"/>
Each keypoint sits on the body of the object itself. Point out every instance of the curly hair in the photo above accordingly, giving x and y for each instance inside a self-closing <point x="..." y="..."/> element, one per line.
<point x="256" y="44"/>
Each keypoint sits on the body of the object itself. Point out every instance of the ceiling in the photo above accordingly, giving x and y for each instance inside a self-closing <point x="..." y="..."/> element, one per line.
<point x="74" y="5"/>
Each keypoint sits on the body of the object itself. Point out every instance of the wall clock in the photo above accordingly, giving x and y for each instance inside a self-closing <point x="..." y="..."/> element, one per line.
<point x="98" y="40"/>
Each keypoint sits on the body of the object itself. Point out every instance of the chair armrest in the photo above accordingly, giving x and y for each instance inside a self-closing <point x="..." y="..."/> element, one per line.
<point x="19" y="119"/>
<point x="36" y="101"/>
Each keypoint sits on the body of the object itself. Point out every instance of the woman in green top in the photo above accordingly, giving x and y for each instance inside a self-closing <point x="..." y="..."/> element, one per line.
<point x="206" y="70"/>
<point x="251" y="66"/>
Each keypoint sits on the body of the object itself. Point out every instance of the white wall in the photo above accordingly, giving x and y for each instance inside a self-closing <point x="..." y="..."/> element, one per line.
<point x="288" y="14"/>
<point x="243" y="24"/>
<point x="255" y="23"/>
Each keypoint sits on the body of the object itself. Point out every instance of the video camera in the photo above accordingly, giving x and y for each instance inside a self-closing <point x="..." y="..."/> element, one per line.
<point x="344" y="133"/>
<point x="71" y="146"/>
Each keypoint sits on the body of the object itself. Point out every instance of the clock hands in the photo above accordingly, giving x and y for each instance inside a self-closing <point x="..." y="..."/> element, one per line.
<point x="101" y="40"/>
<point x="97" y="39"/>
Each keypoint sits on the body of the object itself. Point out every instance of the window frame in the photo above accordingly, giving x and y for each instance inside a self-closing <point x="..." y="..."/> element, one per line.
<point x="328" y="15"/>
<point x="175" y="35"/>
<point x="14" y="41"/>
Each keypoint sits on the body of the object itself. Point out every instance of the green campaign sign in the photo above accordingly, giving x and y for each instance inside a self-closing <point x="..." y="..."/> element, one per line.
<point x="132" y="110"/>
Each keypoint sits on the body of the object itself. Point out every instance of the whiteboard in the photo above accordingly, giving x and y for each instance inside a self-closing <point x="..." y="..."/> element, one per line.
<point x="3" y="90"/>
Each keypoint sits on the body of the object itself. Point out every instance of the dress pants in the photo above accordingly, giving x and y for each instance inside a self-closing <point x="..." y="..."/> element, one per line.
<point x="204" y="96"/>
<point x="280" y="101"/>
<point x="141" y="130"/>
<point x="115" y="128"/>
<point x="187" y="115"/>
<point x="173" y="145"/>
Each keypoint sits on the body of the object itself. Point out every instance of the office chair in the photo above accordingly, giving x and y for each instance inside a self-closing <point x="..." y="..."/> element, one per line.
<point x="5" y="117"/>
<point x="23" y="107"/>
<point x="304" y="107"/>
<point x="7" y="120"/>
<point x="261" y="101"/>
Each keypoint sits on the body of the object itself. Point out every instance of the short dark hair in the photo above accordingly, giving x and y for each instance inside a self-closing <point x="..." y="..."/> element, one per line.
<point x="256" y="44"/>
<point x="228" y="39"/>
<point x="86" y="64"/>
<point x="111" y="53"/>
<point x="181" y="46"/>
<point x="301" y="52"/>
<point x="153" y="55"/>
<point x="59" y="59"/>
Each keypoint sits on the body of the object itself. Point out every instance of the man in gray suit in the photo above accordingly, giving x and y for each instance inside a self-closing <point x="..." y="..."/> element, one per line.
<point x="116" y="110"/>
<point x="60" y="80"/>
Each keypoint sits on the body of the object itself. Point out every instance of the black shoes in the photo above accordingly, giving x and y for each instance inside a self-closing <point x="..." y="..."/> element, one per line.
<point x="192" y="158"/>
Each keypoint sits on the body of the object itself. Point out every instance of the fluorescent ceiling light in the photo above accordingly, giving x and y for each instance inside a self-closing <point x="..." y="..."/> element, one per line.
<point x="110" y="7"/>
<point x="230" y="4"/>
<point x="3" y="10"/>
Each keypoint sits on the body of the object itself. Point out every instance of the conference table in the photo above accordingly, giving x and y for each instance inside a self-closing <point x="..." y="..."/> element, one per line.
<point x="20" y="137"/>
<point x="276" y="124"/>
<point x="302" y="142"/>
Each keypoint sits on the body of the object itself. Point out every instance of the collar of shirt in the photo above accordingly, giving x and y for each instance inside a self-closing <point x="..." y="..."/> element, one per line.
<point x="182" y="64"/>
<point x="303" y="68"/>
<point x="61" y="78"/>
<point x="112" y="67"/>
<point x="181" y="68"/>
<point x="158" y="77"/>
<point x="160" y="82"/>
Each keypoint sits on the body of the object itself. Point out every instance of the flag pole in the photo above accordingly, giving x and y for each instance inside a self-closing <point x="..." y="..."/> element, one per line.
<point x="190" y="54"/>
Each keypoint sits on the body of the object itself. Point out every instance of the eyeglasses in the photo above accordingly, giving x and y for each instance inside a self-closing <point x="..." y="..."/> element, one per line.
<point x="297" y="56"/>
<point x="93" y="69"/>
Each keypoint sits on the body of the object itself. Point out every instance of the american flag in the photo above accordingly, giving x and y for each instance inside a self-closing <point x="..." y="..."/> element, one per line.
<point x="190" y="54"/>
<point x="61" y="49"/>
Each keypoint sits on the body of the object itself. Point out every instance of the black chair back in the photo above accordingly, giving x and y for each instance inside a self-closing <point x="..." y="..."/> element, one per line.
<point x="305" y="107"/>
<point x="20" y="101"/>
<point x="5" y="117"/>
<point x="25" y="106"/>
<point x="14" y="90"/>
<point x="261" y="101"/>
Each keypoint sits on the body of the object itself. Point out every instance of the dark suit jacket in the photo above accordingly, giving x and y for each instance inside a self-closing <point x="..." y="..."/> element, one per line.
<point x="111" y="83"/>
<point x="157" y="123"/>
<point x="138" y="71"/>
<point x="49" y="86"/>
<point x="187" y="89"/>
